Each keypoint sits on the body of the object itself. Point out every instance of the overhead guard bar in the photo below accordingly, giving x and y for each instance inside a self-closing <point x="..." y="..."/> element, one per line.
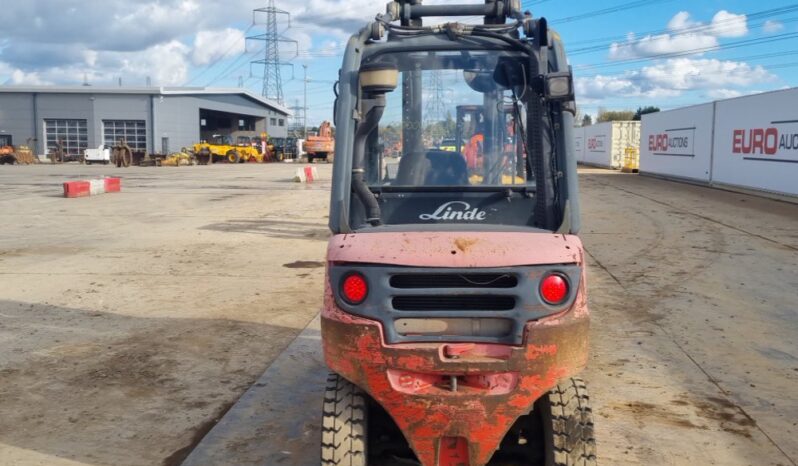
<point x="405" y="10"/>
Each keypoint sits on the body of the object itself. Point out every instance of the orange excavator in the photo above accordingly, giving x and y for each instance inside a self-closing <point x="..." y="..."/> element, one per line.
<point x="321" y="146"/>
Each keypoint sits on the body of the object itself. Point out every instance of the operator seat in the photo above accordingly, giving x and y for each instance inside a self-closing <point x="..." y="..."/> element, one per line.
<point x="432" y="168"/>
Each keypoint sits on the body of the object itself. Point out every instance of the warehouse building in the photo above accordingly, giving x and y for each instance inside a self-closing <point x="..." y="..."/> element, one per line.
<point x="155" y="119"/>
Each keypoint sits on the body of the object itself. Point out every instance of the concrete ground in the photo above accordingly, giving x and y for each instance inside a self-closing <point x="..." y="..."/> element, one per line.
<point x="129" y="323"/>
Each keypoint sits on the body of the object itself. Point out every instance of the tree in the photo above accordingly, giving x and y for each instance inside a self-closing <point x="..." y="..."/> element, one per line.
<point x="623" y="115"/>
<point x="643" y="111"/>
<point x="587" y="120"/>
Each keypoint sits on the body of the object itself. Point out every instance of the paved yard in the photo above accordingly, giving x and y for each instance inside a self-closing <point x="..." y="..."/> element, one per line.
<point x="129" y="323"/>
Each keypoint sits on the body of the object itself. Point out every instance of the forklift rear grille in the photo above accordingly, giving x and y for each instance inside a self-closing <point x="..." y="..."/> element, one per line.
<point x="453" y="280"/>
<point x="454" y="303"/>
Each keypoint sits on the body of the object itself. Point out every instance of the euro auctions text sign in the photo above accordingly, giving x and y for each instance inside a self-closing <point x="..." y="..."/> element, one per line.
<point x="673" y="142"/>
<point x="776" y="143"/>
<point x="597" y="143"/>
<point x="678" y="142"/>
<point x="756" y="142"/>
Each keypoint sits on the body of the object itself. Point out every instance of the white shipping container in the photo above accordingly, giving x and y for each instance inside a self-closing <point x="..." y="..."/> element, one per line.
<point x="579" y="144"/>
<point x="678" y="143"/>
<point x="606" y="143"/>
<point x="756" y="142"/>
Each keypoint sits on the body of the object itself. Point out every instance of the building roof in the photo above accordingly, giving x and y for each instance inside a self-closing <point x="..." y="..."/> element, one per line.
<point x="164" y="91"/>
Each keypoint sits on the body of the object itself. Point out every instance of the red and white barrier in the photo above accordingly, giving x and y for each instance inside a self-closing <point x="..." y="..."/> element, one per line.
<point x="306" y="174"/>
<point x="86" y="188"/>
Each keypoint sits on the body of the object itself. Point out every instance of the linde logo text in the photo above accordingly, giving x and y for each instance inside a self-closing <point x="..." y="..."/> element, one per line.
<point x="455" y="210"/>
<point x="765" y="141"/>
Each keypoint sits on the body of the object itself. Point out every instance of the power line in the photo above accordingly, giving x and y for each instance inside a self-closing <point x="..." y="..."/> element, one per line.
<point x="208" y="67"/>
<point x="607" y="11"/>
<point x="748" y="58"/>
<point x="435" y="109"/>
<point x="730" y="45"/>
<point x="608" y="41"/>
<point x="232" y="66"/>
<point x="754" y="15"/>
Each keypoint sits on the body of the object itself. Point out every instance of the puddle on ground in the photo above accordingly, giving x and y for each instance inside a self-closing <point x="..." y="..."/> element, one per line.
<point x="304" y="265"/>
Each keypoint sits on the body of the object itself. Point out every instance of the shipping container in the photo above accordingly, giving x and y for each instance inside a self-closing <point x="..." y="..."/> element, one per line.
<point x="756" y="142"/>
<point x="678" y="143"/>
<point x="605" y="143"/>
<point x="579" y="143"/>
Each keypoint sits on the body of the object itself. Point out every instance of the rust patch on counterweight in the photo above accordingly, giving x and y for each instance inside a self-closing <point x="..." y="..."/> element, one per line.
<point x="426" y="413"/>
<point x="464" y="244"/>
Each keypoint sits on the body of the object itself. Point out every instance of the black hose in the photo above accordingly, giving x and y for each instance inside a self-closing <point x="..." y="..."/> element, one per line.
<point x="359" y="186"/>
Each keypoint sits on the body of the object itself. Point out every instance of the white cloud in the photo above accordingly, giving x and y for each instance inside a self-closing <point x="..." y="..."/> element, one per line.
<point x="671" y="78"/>
<point x="64" y="39"/>
<point x="725" y="24"/>
<point x="720" y="94"/>
<point x="649" y="46"/>
<point x="688" y="74"/>
<point x="166" y="64"/>
<point x="19" y="77"/>
<point x="685" y="36"/>
<point x="217" y="44"/>
<point x="681" y="20"/>
<point x="772" y="26"/>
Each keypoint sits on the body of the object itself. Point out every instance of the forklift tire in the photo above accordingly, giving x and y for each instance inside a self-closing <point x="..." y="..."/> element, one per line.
<point x="344" y="424"/>
<point x="568" y="425"/>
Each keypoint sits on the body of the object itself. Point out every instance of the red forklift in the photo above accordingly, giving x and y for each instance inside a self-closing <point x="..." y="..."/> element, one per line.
<point x="455" y="318"/>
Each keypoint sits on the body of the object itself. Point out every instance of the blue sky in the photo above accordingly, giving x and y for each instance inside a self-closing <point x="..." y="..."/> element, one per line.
<point x="668" y="53"/>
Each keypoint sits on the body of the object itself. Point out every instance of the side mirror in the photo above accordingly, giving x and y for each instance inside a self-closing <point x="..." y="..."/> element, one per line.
<point x="378" y="78"/>
<point x="537" y="30"/>
<point x="559" y="86"/>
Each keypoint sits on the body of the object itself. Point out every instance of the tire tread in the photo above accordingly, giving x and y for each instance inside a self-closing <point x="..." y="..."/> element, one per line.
<point x="574" y="439"/>
<point x="343" y="430"/>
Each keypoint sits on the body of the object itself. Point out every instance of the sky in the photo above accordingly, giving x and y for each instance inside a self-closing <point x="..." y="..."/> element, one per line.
<point x="625" y="53"/>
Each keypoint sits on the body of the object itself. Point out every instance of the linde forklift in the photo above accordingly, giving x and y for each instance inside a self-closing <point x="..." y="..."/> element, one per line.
<point x="455" y="318"/>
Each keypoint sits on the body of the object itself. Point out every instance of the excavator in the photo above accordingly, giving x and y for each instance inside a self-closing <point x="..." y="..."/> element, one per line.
<point x="321" y="145"/>
<point x="455" y="320"/>
<point x="13" y="155"/>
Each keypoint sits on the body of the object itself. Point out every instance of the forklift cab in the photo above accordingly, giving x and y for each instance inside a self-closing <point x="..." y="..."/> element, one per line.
<point x="525" y="175"/>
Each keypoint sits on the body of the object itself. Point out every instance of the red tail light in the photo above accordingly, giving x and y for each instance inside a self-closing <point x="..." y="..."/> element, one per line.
<point x="554" y="289"/>
<point x="354" y="288"/>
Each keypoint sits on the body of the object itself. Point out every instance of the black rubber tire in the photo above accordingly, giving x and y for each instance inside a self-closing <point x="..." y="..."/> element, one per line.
<point x="344" y="424"/>
<point x="567" y="420"/>
<point x="205" y="157"/>
<point x="232" y="156"/>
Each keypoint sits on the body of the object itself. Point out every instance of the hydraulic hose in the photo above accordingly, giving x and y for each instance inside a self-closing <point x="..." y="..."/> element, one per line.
<point x="359" y="186"/>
